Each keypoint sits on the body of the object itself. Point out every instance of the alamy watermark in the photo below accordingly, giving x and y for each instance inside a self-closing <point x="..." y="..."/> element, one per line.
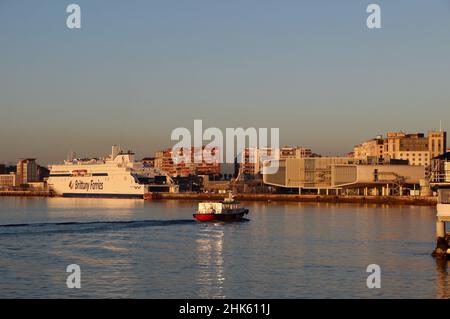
<point x="374" y="279"/>
<point x="74" y="279"/>
<point x="191" y="149"/>
<point x="374" y="19"/>
<point x="73" y="20"/>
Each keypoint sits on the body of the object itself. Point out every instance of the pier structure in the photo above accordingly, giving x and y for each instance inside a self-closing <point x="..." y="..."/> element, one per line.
<point x="442" y="219"/>
<point x="440" y="181"/>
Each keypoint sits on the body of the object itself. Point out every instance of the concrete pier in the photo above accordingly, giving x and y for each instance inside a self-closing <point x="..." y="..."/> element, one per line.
<point x="442" y="249"/>
<point x="442" y="245"/>
<point x="301" y="198"/>
<point x="380" y="200"/>
<point x="440" y="229"/>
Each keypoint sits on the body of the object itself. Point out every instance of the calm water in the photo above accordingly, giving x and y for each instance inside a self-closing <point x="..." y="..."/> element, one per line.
<point x="136" y="249"/>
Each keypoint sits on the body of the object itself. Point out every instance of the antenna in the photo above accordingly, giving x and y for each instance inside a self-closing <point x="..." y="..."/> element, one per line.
<point x="440" y="125"/>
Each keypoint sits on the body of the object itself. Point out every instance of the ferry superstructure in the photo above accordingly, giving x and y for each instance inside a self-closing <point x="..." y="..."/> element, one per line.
<point x="117" y="175"/>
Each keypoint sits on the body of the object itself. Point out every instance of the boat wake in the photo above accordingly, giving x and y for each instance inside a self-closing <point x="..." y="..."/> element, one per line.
<point x="85" y="227"/>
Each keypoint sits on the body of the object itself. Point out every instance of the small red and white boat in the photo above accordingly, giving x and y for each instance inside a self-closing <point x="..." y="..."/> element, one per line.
<point x="227" y="210"/>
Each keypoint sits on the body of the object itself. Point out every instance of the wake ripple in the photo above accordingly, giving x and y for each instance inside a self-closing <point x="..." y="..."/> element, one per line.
<point x="85" y="227"/>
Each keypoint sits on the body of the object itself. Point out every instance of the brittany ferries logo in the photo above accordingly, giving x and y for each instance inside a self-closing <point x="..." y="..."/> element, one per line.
<point x="86" y="185"/>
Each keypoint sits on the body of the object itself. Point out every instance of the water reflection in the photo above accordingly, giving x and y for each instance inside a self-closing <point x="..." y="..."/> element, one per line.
<point x="442" y="284"/>
<point x="61" y="202"/>
<point x="100" y="207"/>
<point x="210" y="260"/>
<point x="154" y="249"/>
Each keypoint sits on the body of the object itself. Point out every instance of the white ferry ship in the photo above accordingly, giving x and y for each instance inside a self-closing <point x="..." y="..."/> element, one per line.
<point x="117" y="175"/>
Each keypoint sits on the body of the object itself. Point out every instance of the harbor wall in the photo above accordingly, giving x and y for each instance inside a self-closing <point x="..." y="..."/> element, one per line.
<point x="382" y="200"/>
<point x="27" y="193"/>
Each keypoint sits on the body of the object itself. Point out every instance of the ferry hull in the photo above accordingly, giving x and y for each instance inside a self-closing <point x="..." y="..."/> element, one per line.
<point x="139" y="196"/>
<point x="220" y="217"/>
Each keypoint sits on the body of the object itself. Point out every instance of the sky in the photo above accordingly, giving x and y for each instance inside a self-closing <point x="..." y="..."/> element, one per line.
<point x="136" y="70"/>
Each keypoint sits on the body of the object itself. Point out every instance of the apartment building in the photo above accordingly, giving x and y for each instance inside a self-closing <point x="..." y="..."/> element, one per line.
<point x="27" y="171"/>
<point x="417" y="148"/>
<point x="198" y="161"/>
<point x="7" y="180"/>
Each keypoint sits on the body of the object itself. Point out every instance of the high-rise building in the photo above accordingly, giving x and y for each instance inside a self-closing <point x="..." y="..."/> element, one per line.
<point x="437" y="143"/>
<point x="27" y="171"/>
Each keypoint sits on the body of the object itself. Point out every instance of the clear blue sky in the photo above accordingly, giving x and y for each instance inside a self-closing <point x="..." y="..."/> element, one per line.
<point x="138" y="69"/>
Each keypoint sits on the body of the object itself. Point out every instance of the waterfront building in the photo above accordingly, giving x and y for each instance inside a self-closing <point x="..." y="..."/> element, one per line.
<point x="305" y="173"/>
<point x="437" y="143"/>
<point x="371" y="148"/>
<point x="37" y="185"/>
<point x="345" y="175"/>
<point x="253" y="159"/>
<point x="440" y="182"/>
<point x="293" y="152"/>
<point x="148" y="161"/>
<point x="8" y="180"/>
<point x="447" y="171"/>
<point x="416" y="148"/>
<point x="209" y="163"/>
<point x="27" y="171"/>
<point x="440" y="169"/>
<point x="2" y="169"/>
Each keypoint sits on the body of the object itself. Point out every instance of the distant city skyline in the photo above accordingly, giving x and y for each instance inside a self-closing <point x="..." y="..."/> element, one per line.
<point x="133" y="73"/>
<point x="140" y="155"/>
